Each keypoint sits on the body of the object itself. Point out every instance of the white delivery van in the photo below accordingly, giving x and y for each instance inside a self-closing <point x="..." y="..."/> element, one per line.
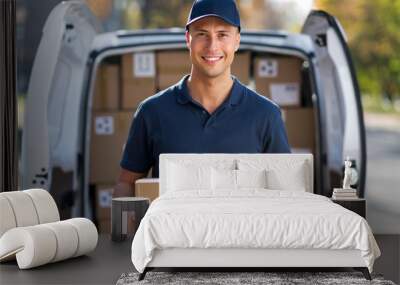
<point x="310" y="75"/>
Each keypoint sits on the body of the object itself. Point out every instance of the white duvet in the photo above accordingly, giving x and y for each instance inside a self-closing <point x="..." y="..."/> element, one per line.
<point x="250" y="219"/>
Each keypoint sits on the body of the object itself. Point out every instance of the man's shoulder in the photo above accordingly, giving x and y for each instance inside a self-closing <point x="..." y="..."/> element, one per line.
<point x="161" y="99"/>
<point x="260" y="102"/>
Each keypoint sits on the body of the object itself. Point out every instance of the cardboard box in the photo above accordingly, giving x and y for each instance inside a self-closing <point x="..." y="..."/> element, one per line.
<point x="279" y="79"/>
<point x="171" y="67"/>
<point x="300" y="128"/>
<point x="147" y="187"/>
<point x="108" y="136"/>
<point x="107" y="91"/>
<point x="103" y="201"/>
<point x="138" y="78"/>
<point x="104" y="226"/>
<point x="301" y="150"/>
<point x="241" y="67"/>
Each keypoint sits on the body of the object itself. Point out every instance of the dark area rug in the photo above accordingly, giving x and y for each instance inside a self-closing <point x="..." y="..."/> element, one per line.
<point x="229" y="278"/>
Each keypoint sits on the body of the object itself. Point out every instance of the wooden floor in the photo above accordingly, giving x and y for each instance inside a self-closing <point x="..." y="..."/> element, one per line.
<point x="106" y="264"/>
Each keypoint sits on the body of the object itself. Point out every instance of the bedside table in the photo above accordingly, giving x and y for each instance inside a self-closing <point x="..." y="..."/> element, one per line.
<point x="357" y="205"/>
<point x="123" y="209"/>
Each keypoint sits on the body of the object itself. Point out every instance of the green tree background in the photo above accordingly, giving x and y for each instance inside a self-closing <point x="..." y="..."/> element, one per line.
<point x="373" y="30"/>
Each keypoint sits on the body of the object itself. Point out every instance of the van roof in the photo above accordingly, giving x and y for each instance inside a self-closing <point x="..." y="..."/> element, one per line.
<point x="125" y="41"/>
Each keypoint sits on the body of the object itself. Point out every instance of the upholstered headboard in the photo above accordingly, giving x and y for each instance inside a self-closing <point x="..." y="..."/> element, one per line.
<point x="282" y="164"/>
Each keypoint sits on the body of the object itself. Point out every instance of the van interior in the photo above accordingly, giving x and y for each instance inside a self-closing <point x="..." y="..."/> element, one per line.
<point x="123" y="81"/>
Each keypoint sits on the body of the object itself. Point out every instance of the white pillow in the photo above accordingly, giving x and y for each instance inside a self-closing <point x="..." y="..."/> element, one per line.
<point x="227" y="179"/>
<point x="188" y="177"/>
<point x="251" y="178"/>
<point x="223" y="179"/>
<point x="293" y="179"/>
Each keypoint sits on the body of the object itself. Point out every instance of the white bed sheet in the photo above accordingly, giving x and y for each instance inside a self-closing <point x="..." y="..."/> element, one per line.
<point x="252" y="218"/>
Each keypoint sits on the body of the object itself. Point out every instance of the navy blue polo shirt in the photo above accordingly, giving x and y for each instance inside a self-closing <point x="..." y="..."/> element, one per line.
<point x="171" y="121"/>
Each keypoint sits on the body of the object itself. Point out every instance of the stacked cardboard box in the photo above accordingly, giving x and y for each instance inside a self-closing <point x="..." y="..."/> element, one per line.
<point x="279" y="79"/>
<point x="108" y="135"/>
<point x="241" y="67"/>
<point x="103" y="207"/>
<point x="171" y="67"/>
<point x="112" y="114"/>
<point x="107" y="91"/>
<point x="138" y="78"/>
<point x="147" y="187"/>
<point x="300" y="128"/>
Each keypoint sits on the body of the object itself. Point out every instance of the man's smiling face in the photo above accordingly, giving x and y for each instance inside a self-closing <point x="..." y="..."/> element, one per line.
<point x="212" y="43"/>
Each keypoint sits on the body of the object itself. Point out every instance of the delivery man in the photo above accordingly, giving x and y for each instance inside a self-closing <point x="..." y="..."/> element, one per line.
<point x="209" y="110"/>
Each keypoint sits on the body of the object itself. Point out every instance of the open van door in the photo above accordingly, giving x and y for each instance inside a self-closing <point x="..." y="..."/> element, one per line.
<point x="344" y="123"/>
<point x="53" y="103"/>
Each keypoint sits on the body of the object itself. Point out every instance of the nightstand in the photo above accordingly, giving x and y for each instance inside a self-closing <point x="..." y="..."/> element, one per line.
<point x="357" y="205"/>
<point x="123" y="209"/>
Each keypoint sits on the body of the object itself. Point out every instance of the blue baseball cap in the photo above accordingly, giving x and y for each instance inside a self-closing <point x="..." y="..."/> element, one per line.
<point x="224" y="9"/>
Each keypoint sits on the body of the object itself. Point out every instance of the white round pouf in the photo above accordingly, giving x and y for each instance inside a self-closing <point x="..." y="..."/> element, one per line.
<point x="6" y="215"/>
<point x="23" y="208"/>
<point x="67" y="239"/>
<point x="87" y="234"/>
<point x="33" y="246"/>
<point x="45" y="205"/>
<point x="31" y="232"/>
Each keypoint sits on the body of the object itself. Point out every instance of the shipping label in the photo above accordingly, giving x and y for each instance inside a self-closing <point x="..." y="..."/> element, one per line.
<point x="105" y="198"/>
<point x="268" y="68"/>
<point x="104" y="125"/>
<point x="144" y="64"/>
<point x="285" y="93"/>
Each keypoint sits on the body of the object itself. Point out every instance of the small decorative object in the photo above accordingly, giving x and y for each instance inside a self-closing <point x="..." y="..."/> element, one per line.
<point x="126" y="214"/>
<point x="350" y="177"/>
<point x="347" y="174"/>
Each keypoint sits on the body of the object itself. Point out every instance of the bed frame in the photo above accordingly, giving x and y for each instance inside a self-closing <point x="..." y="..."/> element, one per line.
<point x="242" y="259"/>
<point x="246" y="258"/>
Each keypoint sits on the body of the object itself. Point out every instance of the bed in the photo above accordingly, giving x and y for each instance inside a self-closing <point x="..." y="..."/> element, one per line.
<point x="247" y="210"/>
